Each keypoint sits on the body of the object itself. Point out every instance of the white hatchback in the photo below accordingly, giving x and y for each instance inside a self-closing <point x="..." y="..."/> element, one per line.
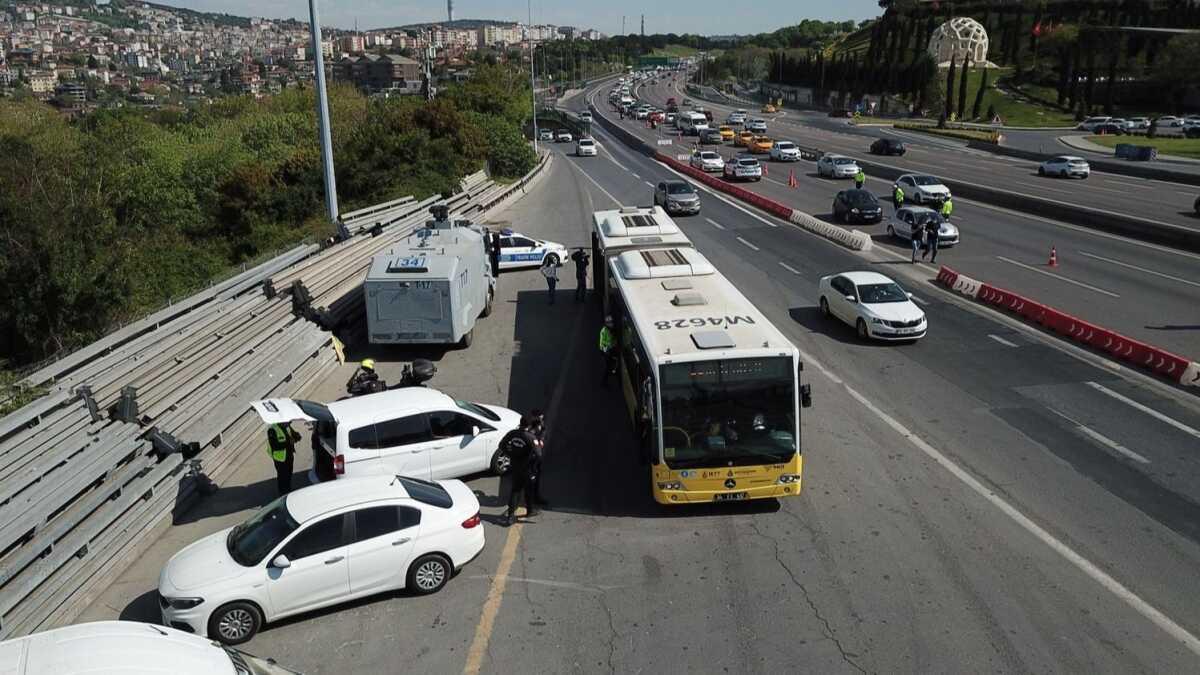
<point x="707" y="160"/>
<point x="873" y="304"/>
<point x="1065" y="166"/>
<point x="585" y="147"/>
<point x="319" y="546"/>
<point x="414" y="431"/>
<point x="921" y="189"/>
<point x="837" y="166"/>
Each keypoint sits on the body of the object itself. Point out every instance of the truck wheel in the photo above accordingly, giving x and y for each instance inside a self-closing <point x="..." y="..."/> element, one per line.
<point x="466" y="340"/>
<point x="487" y="308"/>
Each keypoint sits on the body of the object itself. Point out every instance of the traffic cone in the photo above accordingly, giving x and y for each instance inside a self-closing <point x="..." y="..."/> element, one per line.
<point x="764" y="165"/>
<point x="792" y="179"/>
<point x="1053" y="257"/>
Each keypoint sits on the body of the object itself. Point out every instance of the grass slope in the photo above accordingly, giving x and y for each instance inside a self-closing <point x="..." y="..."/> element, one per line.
<point x="1182" y="147"/>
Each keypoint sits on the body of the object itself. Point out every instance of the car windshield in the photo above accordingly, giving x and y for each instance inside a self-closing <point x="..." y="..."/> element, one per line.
<point x="709" y="155"/>
<point x="478" y="410"/>
<point x="748" y="162"/>
<point x="679" y="189"/>
<point x="784" y="145"/>
<point x="584" y="142"/>
<point x="926" y="180"/>
<point x="843" y="160"/>
<point x="251" y="541"/>
<point x="923" y="217"/>
<point x="1078" y="162"/>
<point x="874" y="294"/>
<point x="861" y="198"/>
<point x="732" y="412"/>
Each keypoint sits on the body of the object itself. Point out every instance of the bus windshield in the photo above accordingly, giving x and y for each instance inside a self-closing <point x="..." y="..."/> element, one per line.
<point x="731" y="412"/>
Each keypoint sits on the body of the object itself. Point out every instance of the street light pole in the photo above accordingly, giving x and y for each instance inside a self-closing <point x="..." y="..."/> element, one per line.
<point x="331" y="201"/>
<point x="532" y="79"/>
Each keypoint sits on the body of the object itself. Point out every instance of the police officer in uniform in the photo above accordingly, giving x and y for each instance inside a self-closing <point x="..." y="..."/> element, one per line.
<point x="859" y="179"/>
<point x="898" y="197"/>
<point x="580" y="259"/>
<point x="947" y="208"/>
<point x="365" y="380"/>
<point x="281" y="446"/>
<point x="608" y="349"/>
<point x="519" y="444"/>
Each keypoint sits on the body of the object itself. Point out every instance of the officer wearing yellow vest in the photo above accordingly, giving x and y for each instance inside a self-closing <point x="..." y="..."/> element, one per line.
<point x="281" y="446"/>
<point x="947" y="208"/>
<point x="859" y="179"/>
<point x="608" y="349"/>
<point x="898" y="197"/>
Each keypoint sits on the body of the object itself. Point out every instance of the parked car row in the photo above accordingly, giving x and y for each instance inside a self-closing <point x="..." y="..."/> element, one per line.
<point x="1104" y="124"/>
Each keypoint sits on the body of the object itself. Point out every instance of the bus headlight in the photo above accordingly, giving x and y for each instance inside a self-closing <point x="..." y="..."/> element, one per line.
<point x="670" y="485"/>
<point x="788" y="478"/>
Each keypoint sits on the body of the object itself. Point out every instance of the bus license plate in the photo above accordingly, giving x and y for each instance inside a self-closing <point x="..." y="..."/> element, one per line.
<point x="730" y="496"/>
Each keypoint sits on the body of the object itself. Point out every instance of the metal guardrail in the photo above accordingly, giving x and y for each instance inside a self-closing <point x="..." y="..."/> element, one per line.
<point x="91" y="469"/>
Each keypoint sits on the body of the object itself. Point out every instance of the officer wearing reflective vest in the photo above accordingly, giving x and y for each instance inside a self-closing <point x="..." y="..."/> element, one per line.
<point x="608" y="349"/>
<point x="281" y="446"/>
<point x="947" y="208"/>
<point x="898" y="197"/>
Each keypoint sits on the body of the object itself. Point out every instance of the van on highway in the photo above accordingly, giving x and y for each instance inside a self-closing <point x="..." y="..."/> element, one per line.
<point x="691" y="123"/>
<point x="127" y="647"/>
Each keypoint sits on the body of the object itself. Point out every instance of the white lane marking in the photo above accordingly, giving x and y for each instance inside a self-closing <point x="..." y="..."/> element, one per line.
<point x="648" y="183"/>
<point x="1135" y="602"/>
<point x="598" y="186"/>
<point x="789" y="268"/>
<point x="1043" y="187"/>
<point x="919" y="300"/>
<point x="749" y="245"/>
<point x="715" y="224"/>
<point x="1057" y="276"/>
<point x="1002" y="341"/>
<point x="1140" y="269"/>
<point x="1146" y="409"/>
<point x="634" y="174"/>
<point x="1102" y="439"/>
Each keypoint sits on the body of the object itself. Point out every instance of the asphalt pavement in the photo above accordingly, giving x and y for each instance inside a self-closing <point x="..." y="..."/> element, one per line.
<point x="952" y="519"/>
<point x="1144" y="198"/>
<point x="1148" y="292"/>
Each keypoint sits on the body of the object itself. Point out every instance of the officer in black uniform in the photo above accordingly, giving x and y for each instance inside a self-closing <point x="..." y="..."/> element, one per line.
<point x="581" y="259"/>
<point x="519" y="444"/>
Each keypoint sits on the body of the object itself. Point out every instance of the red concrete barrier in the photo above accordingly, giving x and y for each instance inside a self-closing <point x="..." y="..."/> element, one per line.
<point x="769" y="205"/>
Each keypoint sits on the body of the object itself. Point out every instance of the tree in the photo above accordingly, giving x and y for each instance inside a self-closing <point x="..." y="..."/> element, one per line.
<point x="1176" y="69"/>
<point x="950" y="87"/>
<point x="962" y="86"/>
<point x="983" y="85"/>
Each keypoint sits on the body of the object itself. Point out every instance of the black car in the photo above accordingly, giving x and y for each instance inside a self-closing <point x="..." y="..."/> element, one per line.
<point x="1192" y="131"/>
<point x="887" y="146"/>
<point x="856" y="206"/>
<point x="1109" y="129"/>
<point x="711" y="137"/>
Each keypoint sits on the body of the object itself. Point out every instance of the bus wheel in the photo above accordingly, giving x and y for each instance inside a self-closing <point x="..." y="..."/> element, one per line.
<point x="466" y="339"/>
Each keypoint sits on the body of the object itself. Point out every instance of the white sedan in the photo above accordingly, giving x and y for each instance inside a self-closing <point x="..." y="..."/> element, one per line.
<point x="921" y="189"/>
<point x="585" y="147"/>
<point x="1065" y="166"/>
<point x="758" y="126"/>
<point x="518" y="250"/>
<point x="875" y="305"/>
<point x="837" y="166"/>
<point x="707" y="160"/>
<point x="785" y="151"/>
<point x="319" y="546"/>
<point x="563" y="136"/>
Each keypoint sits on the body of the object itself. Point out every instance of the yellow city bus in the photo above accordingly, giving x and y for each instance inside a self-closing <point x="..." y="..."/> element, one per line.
<point x="713" y="388"/>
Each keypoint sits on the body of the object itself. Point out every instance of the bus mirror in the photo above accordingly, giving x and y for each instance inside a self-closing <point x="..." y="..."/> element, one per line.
<point x="806" y="395"/>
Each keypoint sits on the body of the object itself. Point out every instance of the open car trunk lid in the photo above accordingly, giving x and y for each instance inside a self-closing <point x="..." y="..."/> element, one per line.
<point x="280" y="410"/>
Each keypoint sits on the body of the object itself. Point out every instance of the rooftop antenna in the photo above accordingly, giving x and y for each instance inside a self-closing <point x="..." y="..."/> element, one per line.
<point x="450" y="10"/>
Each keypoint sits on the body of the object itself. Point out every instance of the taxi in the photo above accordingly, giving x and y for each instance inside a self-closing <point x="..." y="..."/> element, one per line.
<point x="761" y="145"/>
<point x="518" y="250"/>
<point x="744" y="139"/>
<point x="727" y="133"/>
<point x="769" y="108"/>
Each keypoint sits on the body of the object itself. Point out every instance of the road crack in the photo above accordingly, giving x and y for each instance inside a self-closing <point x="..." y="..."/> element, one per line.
<point x="827" y="629"/>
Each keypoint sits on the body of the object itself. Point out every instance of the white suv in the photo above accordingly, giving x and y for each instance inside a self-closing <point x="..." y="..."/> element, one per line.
<point x="707" y="160"/>
<point x="785" y="151"/>
<point x="412" y="431"/>
<point x="743" y="168"/>
<point x="585" y="147"/>
<point x="321" y="546"/>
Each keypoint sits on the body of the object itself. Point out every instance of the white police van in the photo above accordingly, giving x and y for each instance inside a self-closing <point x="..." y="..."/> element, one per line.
<point x="518" y="250"/>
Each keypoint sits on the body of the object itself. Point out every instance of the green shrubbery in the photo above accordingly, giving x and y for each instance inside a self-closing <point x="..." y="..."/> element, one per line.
<point x="105" y="219"/>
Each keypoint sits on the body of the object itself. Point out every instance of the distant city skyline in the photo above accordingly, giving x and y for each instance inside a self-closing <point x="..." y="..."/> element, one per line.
<point x="706" y="17"/>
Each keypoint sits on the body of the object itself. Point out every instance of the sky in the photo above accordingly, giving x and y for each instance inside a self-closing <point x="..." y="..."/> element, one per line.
<point x="707" y="17"/>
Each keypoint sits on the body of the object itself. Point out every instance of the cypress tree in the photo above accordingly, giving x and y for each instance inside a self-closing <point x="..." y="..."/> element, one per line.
<point x="983" y="83"/>
<point x="962" y="87"/>
<point x="950" y="87"/>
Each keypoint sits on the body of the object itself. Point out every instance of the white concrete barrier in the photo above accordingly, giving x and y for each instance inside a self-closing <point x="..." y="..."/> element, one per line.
<point x="967" y="286"/>
<point x="852" y="239"/>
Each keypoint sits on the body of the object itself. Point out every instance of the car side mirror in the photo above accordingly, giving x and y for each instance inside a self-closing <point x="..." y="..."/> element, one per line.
<point x="909" y="295"/>
<point x="851" y="298"/>
<point x="281" y="561"/>
<point x="475" y="430"/>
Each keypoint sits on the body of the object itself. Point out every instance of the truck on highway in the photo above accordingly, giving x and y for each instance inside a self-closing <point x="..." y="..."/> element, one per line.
<point x="433" y="285"/>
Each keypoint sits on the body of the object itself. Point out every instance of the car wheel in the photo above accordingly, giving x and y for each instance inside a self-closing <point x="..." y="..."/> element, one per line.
<point x="234" y="623"/>
<point x="837" y="217"/>
<point x="467" y="339"/>
<point x="892" y="232"/>
<point x="1041" y="171"/>
<point x="1062" y="174"/>
<point x="501" y="462"/>
<point x="861" y="329"/>
<point x="487" y="307"/>
<point x="428" y="574"/>
<point x="825" y="308"/>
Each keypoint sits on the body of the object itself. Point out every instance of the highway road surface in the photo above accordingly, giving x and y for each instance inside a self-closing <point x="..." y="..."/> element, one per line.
<point x="1152" y="199"/>
<point x="1148" y="292"/>
<point x="979" y="501"/>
